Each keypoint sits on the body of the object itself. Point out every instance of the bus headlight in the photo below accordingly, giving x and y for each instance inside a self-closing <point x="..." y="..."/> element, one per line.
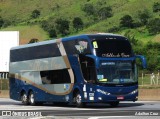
<point x="135" y="91"/>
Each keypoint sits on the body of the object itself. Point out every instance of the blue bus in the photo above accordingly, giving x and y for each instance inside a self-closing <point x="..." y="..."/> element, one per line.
<point x="91" y="68"/>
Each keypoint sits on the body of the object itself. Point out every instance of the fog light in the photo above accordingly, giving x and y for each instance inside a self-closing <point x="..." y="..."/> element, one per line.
<point x="99" y="98"/>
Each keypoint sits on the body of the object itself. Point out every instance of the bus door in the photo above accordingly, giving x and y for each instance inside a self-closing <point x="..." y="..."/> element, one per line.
<point x="89" y="74"/>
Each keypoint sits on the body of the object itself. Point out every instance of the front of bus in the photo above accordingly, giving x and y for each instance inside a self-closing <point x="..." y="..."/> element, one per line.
<point x="116" y="70"/>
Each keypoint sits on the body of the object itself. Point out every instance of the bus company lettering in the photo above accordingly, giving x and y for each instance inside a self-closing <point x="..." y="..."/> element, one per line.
<point x="115" y="55"/>
<point x="101" y="91"/>
<point x="39" y="65"/>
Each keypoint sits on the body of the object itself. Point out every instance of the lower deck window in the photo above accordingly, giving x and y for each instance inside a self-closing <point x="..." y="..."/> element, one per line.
<point x="55" y="76"/>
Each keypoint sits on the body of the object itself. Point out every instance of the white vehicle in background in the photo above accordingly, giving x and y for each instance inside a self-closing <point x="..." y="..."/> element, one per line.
<point x="8" y="39"/>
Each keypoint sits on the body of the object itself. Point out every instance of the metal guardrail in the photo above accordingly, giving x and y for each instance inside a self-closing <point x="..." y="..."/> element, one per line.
<point x="152" y="79"/>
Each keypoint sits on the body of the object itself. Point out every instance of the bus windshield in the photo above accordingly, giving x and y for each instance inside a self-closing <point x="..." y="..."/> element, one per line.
<point x="117" y="72"/>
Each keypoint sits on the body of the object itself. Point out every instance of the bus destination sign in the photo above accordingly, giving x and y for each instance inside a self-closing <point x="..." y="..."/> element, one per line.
<point x="115" y="55"/>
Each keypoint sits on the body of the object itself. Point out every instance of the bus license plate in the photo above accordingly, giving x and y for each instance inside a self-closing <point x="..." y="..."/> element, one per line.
<point x="120" y="98"/>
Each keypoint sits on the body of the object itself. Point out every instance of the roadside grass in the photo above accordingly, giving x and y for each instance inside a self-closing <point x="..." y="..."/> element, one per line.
<point x="53" y="9"/>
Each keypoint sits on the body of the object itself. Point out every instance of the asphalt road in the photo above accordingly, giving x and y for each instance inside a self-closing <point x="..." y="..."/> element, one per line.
<point x="132" y="110"/>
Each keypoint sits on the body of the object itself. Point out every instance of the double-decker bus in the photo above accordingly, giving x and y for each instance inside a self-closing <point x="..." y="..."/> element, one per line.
<point x="80" y="69"/>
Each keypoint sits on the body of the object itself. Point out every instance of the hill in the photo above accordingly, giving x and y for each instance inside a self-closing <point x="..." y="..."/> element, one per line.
<point x="17" y="16"/>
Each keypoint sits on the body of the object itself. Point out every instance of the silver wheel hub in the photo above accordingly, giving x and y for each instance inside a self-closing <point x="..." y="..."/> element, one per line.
<point x="78" y="98"/>
<point x="24" y="98"/>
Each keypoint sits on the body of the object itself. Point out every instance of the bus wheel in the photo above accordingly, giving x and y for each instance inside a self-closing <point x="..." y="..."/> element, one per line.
<point x="114" y="104"/>
<point x="78" y="100"/>
<point x="31" y="98"/>
<point x="24" y="98"/>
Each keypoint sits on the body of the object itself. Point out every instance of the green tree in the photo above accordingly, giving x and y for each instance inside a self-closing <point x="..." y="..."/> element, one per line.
<point x="52" y="33"/>
<point x="45" y="25"/>
<point x="89" y="9"/>
<point x="49" y="26"/>
<point x="156" y="7"/>
<point x="151" y="51"/>
<point x="143" y="17"/>
<point x="35" y="14"/>
<point x="62" y="26"/>
<point x="104" y="12"/>
<point x="101" y="2"/>
<point x="1" y="22"/>
<point x="77" y="23"/>
<point x="154" y="26"/>
<point x="126" y="21"/>
<point x="33" y="40"/>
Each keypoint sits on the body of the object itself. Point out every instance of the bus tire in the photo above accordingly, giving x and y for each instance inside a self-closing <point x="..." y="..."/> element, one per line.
<point x="78" y="100"/>
<point x="32" y="98"/>
<point x="24" y="98"/>
<point x="114" y="104"/>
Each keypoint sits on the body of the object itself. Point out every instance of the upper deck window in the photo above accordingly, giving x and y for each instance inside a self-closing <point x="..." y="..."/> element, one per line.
<point x="112" y="47"/>
<point x="77" y="46"/>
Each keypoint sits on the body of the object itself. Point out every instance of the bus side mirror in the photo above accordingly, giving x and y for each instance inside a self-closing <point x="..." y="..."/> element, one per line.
<point x="143" y="59"/>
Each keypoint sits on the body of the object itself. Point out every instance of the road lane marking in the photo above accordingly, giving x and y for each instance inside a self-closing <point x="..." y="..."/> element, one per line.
<point x="109" y="117"/>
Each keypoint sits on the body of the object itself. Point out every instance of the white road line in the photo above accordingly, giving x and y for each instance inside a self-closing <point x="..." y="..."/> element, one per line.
<point x="109" y="117"/>
<point x="44" y="117"/>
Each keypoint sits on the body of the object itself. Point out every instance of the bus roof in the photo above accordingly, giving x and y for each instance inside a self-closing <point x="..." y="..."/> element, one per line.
<point x="87" y="36"/>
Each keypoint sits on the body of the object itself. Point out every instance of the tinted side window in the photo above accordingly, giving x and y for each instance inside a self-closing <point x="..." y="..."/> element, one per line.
<point x="55" y="76"/>
<point x="36" y="52"/>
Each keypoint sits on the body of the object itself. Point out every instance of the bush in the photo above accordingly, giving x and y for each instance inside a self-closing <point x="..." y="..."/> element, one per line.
<point x="1" y="22"/>
<point x="104" y="12"/>
<point x="77" y="23"/>
<point x="144" y="16"/>
<point x="154" y="26"/>
<point x="35" y="14"/>
<point x="126" y="21"/>
<point x="44" y="25"/>
<point x="33" y="40"/>
<point x="88" y="9"/>
<point x="62" y="26"/>
<point x="151" y="51"/>
<point x="49" y="26"/>
<point x="52" y="33"/>
<point x="156" y="7"/>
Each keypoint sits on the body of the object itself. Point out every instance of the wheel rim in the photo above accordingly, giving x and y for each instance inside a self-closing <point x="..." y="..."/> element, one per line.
<point x="24" y="98"/>
<point x="31" y="98"/>
<point x="78" y="99"/>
